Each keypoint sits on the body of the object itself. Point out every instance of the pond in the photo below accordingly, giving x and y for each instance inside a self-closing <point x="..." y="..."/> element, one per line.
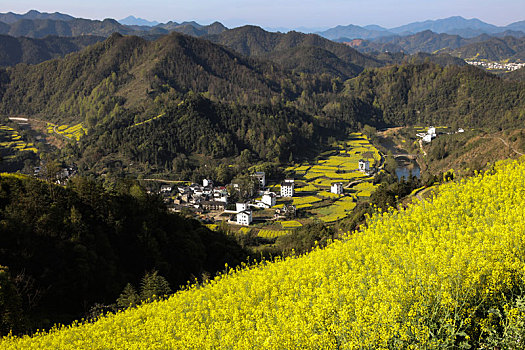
<point x="407" y="168"/>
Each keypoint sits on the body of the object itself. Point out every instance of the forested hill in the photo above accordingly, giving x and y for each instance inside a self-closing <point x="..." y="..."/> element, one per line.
<point x="151" y="104"/>
<point x="494" y="49"/>
<point x="517" y="75"/>
<point x="428" y="94"/>
<point x="115" y="86"/>
<point x="32" y="51"/>
<point x="129" y="71"/>
<point x="306" y="52"/>
<point x="425" y="41"/>
<point x="69" y="248"/>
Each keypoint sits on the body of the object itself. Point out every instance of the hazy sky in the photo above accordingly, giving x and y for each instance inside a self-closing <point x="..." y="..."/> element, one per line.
<point x="282" y="13"/>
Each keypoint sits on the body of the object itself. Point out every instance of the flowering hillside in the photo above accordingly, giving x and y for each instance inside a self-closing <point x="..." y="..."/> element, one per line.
<point x="445" y="273"/>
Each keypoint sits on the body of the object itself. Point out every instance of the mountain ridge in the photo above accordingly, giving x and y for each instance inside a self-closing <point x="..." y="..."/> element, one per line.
<point x="455" y="25"/>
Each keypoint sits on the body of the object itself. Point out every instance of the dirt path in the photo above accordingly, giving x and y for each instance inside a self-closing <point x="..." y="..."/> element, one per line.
<point x="505" y="143"/>
<point x="421" y="147"/>
<point x="161" y="180"/>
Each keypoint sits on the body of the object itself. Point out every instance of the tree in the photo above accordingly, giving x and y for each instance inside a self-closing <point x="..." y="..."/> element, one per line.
<point x="11" y="315"/>
<point x="154" y="286"/>
<point x="129" y="297"/>
<point x="369" y="131"/>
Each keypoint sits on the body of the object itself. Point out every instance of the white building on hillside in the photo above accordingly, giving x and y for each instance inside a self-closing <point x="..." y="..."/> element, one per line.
<point x="239" y="207"/>
<point x="261" y="177"/>
<point x="427" y="138"/>
<point x="337" y="188"/>
<point x="165" y="188"/>
<point x="244" y="217"/>
<point x="269" y="199"/>
<point x="364" y="165"/>
<point x="287" y="188"/>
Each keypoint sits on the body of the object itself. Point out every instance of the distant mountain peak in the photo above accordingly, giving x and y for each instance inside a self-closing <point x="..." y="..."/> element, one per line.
<point x="135" y="21"/>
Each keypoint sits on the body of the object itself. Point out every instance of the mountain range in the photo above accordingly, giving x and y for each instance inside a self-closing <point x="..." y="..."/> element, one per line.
<point x="11" y="17"/>
<point x="39" y="25"/>
<point x="484" y="46"/>
<point x="456" y="25"/>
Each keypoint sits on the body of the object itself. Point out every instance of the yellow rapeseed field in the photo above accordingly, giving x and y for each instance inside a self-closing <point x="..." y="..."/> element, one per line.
<point x="421" y="278"/>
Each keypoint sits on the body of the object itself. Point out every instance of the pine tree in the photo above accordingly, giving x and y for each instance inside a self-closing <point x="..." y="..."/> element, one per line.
<point x="154" y="286"/>
<point x="128" y="297"/>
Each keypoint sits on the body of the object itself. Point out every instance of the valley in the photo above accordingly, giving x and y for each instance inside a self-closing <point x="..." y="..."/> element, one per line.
<point x="182" y="185"/>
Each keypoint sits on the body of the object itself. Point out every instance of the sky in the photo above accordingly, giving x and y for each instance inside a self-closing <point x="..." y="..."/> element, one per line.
<point x="281" y="13"/>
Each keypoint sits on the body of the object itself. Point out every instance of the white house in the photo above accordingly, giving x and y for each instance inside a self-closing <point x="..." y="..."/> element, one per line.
<point x="244" y="217"/>
<point x="337" y="188"/>
<point x="220" y="197"/>
<point x="165" y="188"/>
<point x="427" y="138"/>
<point x="461" y="130"/>
<point x="364" y="165"/>
<point x="261" y="177"/>
<point x="269" y="199"/>
<point x="287" y="188"/>
<point x="431" y="131"/>
<point x="206" y="183"/>
<point x="239" y="207"/>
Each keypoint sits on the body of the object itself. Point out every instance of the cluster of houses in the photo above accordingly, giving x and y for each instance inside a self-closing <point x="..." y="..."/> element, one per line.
<point x="195" y="196"/>
<point x="496" y="65"/>
<point x="62" y="176"/>
<point x="431" y="134"/>
<point x="210" y="198"/>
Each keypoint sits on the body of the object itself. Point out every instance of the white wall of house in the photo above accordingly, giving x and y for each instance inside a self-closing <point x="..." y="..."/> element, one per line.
<point x="337" y="188"/>
<point x="364" y="165"/>
<point x="244" y="217"/>
<point x="261" y="177"/>
<point x="268" y="199"/>
<point x="239" y="207"/>
<point x="287" y="189"/>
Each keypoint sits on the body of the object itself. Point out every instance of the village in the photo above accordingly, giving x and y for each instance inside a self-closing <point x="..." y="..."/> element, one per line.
<point x="212" y="203"/>
<point x="509" y="66"/>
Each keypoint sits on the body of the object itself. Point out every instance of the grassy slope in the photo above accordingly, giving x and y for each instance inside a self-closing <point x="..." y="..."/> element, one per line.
<point x="435" y="268"/>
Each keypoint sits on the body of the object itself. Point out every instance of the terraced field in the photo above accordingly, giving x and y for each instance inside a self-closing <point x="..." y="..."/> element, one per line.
<point x="272" y="233"/>
<point x="290" y="224"/>
<point x="10" y="140"/>
<point x="313" y="181"/>
<point x="74" y="132"/>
